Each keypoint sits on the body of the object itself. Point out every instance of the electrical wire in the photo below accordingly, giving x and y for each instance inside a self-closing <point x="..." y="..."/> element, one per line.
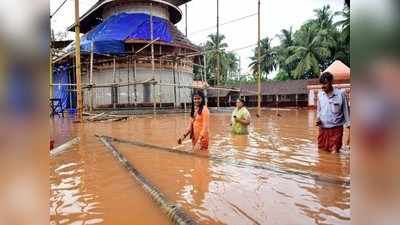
<point x="59" y="7"/>
<point x="222" y="24"/>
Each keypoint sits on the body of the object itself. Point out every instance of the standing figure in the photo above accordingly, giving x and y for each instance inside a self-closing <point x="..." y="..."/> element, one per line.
<point x="199" y="123"/>
<point x="240" y="118"/>
<point x="332" y="115"/>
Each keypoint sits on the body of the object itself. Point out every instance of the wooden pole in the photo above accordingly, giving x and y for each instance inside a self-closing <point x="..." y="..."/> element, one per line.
<point x="160" y="72"/>
<point x="186" y="20"/>
<point x="50" y="76"/>
<point x="259" y="64"/>
<point x="218" y="159"/>
<point x="239" y="76"/>
<point x="174" y="212"/>
<point x="129" y="80"/>
<point x="240" y="69"/>
<point x="78" y="63"/>
<point x="218" y="59"/>
<point x="152" y="56"/>
<point x="50" y="63"/>
<point x="179" y="84"/>
<point x="134" y="75"/>
<point x="117" y="89"/>
<point x="202" y="71"/>
<point x="113" y="94"/>
<point x="174" y="76"/>
<point x="184" y="101"/>
<point x="91" y="78"/>
<point x="134" y="79"/>
<point x="205" y="76"/>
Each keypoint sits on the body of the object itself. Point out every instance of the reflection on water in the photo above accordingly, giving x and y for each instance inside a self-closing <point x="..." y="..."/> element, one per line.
<point x="88" y="186"/>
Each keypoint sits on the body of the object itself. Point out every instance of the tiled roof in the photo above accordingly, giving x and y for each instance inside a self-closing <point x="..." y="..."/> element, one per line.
<point x="180" y="39"/>
<point x="214" y="93"/>
<point x="270" y="88"/>
<point x="339" y="70"/>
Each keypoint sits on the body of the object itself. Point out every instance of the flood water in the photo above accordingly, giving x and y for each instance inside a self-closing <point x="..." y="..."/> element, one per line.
<point x="89" y="186"/>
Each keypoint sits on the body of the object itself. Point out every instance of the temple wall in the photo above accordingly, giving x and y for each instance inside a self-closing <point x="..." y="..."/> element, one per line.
<point x="138" y="93"/>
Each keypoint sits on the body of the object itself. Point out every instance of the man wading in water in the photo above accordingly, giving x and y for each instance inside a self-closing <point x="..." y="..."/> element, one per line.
<point x="198" y="126"/>
<point x="240" y="118"/>
<point x="332" y="114"/>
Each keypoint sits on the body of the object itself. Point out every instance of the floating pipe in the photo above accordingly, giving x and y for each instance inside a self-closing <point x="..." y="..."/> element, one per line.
<point x="57" y="150"/>
<point x="316" y="176"/>
<point x="174" y="212"/>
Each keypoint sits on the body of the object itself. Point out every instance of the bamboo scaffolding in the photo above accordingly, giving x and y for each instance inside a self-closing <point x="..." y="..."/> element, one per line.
<point x="152" y="56"/>
<point x="79" y="100"/>
<point x="156" y="83"/>
<point x="129" y="80"/>
<point x="147" y="45"/>
<point x="91" y="79"/>
<point x="177" y="59"/>
<point x="134" y="77"/>
<point x="160" y="72"/>
<point x="113" y="90"/>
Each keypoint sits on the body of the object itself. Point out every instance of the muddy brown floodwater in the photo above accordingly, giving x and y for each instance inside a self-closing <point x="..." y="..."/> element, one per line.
<point x="89" y="186"/>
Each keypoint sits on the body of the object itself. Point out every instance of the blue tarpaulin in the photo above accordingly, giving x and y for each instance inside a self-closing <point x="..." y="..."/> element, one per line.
<point x="109" y="36"/>
<point x="60" y="76"/>
<point x="20" y="91"/>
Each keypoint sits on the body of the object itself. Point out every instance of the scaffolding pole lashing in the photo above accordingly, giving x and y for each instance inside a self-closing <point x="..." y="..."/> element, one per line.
<point x="174" y="212"/>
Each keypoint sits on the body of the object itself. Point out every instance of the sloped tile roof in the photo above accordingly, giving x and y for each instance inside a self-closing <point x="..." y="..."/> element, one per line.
<point x="270" y="88"/>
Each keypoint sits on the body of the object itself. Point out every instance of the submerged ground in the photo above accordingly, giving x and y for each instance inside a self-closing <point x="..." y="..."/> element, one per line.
<point x="89" y="186"/>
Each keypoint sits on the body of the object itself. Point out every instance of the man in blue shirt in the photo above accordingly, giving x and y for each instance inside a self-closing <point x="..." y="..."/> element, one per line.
<point x="332" y="115"/>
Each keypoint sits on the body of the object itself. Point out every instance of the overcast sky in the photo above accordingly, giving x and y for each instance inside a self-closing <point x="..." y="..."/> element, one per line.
<point x="275" y="16"/>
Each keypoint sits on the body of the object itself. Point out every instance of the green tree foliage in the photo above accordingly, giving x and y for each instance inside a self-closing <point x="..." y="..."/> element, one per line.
<point x="229" y="62"/>
<point x="301" y="54"/>
<point x="283" y="52"/>
<point x="268" y="59"/>
<point x="310" y="51"/>
<point x="344" y="24"/>
<point x="304" y="53"/>
<point x="343" y="48"/>
<point x="282" y="75"/>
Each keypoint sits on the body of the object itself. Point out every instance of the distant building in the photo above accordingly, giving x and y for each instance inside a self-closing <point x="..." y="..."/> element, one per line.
<point x="341" y="80"/>
<point x="290" y="93"/>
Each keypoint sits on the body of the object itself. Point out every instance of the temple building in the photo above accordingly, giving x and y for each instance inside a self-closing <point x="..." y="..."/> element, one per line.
<point x="341" y="80"/>
<point x="133" y="55"/>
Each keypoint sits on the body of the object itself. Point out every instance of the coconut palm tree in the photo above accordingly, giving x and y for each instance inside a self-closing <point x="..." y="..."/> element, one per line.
<point x="344" y="24"/>
<point x="326" y="29"/>
<point x="214" y="40"/>
<point x="314" y="46"/>
<point x="337" y="42"/>
<point x="267" y="59"/>
<point x="283" y="51"/>
<point x="286" y="37"/>
<point x="233" y="65"/>
<point x="308" y="51"/>
<point x="228" y="61"/>
<point x="212" y="54"/>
